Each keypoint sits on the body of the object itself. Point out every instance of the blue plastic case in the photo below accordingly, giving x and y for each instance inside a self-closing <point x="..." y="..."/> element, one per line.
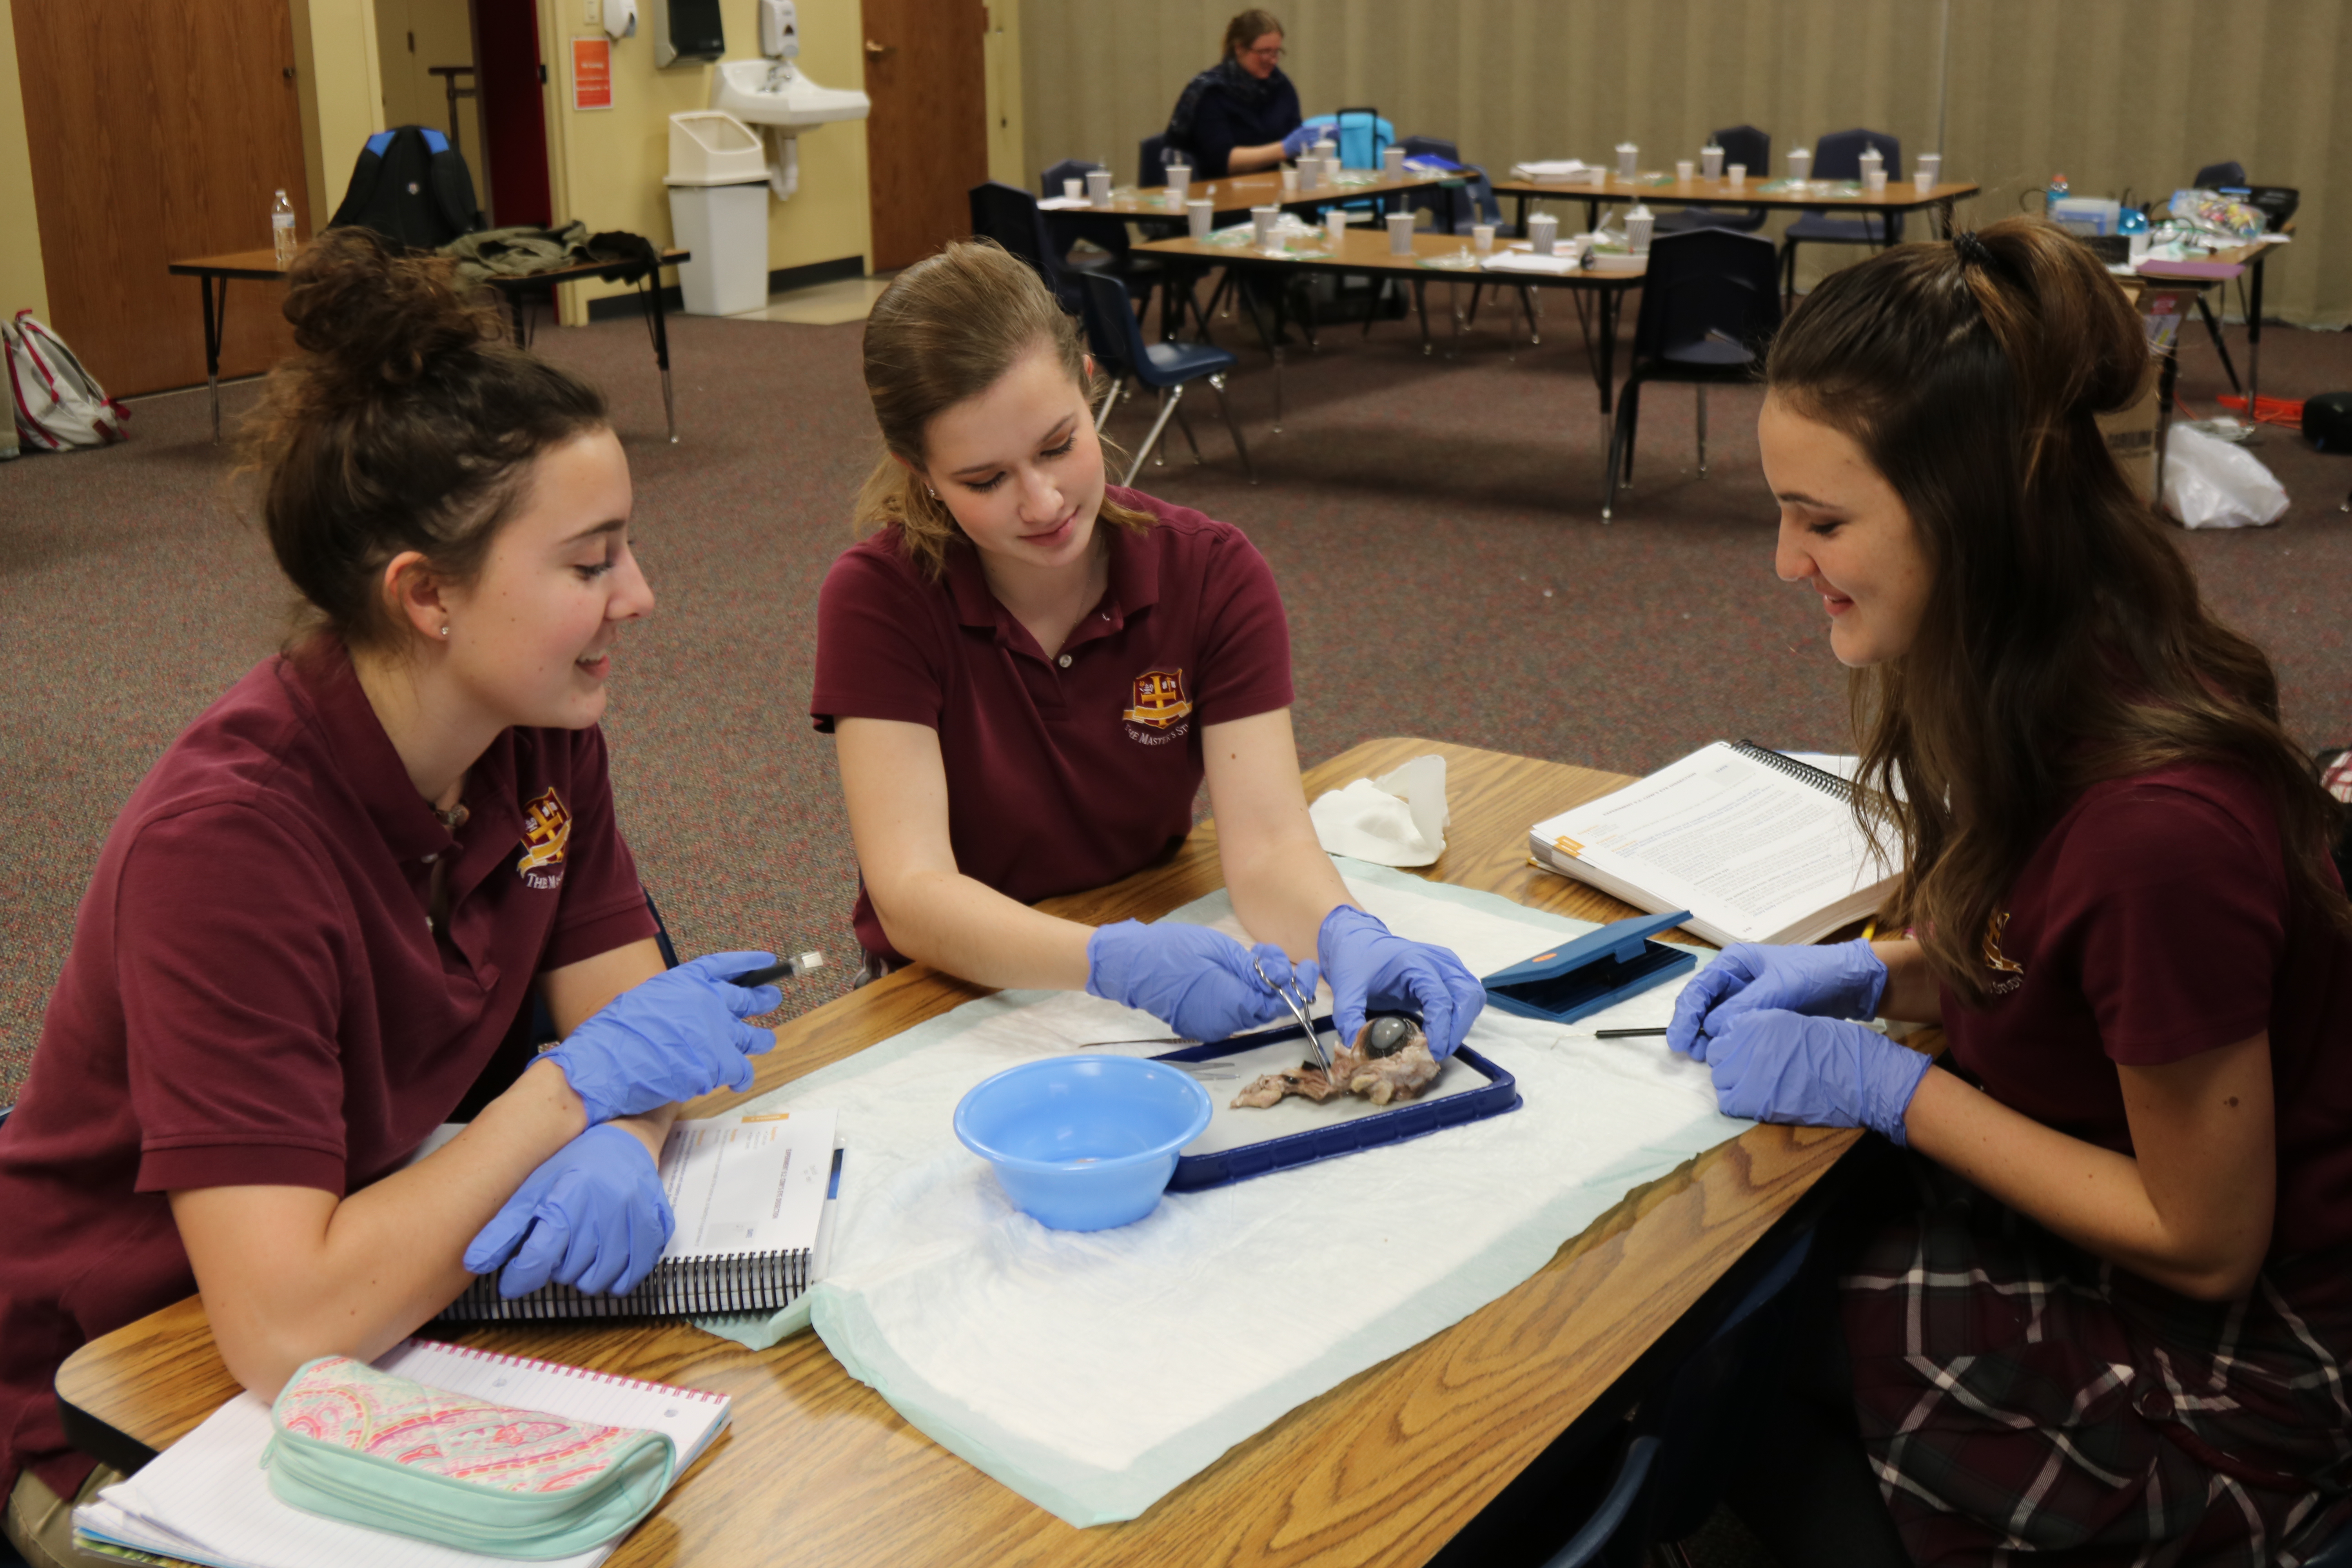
<point x="1413" y="1119"/>
<point x="1598" y="970"/>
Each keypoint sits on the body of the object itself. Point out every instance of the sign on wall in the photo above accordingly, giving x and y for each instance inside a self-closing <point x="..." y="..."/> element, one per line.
<point x="592" y="73"/>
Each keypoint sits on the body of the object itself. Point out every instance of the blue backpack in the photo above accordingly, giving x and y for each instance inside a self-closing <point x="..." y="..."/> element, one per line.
<point x="412" y="187"/>
<point x="1360" y="137"/>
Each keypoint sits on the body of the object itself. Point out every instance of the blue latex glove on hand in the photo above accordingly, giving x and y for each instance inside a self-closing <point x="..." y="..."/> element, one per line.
<point x="1842" y="982"/>
<point x="1201" y="982"/>
<point x="1300" y="141"/>
<point x="592" y="1215"/>
<point x="1777" y="1066"/>
<point x="1370" y="967"/>
<point x="675" y="1036"/>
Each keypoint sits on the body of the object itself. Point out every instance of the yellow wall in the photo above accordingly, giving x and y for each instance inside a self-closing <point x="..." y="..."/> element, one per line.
<point x="341" y="93"/>
<point x="607" y="165"/>
<point x="411" y="35"/>
<point x="1007" y="128"/>
<point x="22" y="287"/>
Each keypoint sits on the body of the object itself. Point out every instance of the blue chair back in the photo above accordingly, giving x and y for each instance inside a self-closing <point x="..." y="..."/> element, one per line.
<point x="1473" y="203"/>
<point x="1711" y="298"/>
<point x="1009" y="215"/>
<point x="1107" y="312"/>
<point x="1151" y="162"/>
<point x="1361" y="133"/>
<point x="1050" y="183"/>
<point x="2213" y="176"/>
<point x="1752" y="150"/>
<point x="1838" y="155"/>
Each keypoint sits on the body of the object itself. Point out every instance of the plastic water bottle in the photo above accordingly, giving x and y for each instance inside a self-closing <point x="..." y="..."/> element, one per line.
<point x="281" y="230"/>
<point x="2052" y="196"/>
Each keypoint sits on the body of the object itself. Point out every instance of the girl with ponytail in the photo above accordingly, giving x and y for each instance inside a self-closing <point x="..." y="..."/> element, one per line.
<point x="315" y="931"/>
<point x="2101" y="1309"/>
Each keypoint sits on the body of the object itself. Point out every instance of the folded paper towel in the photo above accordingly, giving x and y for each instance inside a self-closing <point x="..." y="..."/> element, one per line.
<point x="1397" y="819"/>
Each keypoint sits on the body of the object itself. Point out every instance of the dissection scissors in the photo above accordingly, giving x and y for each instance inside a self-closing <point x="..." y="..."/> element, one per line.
<point x="1303" y="1012"/>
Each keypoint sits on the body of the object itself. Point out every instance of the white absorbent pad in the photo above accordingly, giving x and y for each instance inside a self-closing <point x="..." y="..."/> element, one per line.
<point x="1094" y="1372"/>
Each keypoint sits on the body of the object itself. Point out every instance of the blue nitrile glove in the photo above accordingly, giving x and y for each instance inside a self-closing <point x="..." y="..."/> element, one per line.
<point x="591" y="1215"/>
<point x="1368" y="966"/>
<point x="675" y="1036"/>
<point x="1300" y="141"/>
<point x="1201" y="982"/>
<point x="1777" y="1066"/>
<point x="1842" y="982"/>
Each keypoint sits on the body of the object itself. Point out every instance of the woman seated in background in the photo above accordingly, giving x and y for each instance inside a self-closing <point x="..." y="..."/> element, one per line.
<point x="2106" y="1317"/>
<point x="315" y="930"/>
<point x="1029" y="674"/>
<point x="1240" y="115"/>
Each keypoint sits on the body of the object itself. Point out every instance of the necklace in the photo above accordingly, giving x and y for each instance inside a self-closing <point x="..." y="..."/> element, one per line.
<point x="455" y="818"/>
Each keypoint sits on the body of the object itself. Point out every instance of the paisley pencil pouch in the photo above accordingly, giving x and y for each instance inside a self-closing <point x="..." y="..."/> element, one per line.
<point x="362" y="1446"/>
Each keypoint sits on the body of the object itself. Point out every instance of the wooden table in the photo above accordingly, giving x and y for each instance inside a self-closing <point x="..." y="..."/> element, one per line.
<point x="1900" y="196"/>
<point x="1365" y="251"/>
<point x="1236" y="195"/>
<point x="2248" y="259"/>
<point x="1382" y="1469"/>
<point x="262" y="266"/>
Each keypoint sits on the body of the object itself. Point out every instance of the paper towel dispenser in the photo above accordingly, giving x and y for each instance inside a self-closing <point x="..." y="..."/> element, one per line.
<point x="687" y="30"/>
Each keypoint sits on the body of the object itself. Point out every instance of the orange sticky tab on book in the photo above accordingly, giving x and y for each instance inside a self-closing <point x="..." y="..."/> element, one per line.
<point x="1569" y="847"/>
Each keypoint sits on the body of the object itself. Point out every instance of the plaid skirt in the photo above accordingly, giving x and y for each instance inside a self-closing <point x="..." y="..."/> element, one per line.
<point x="2019" y="1395"/>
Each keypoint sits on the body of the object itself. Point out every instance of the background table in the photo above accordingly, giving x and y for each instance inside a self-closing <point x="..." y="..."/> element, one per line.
<point x="262" y="266"/>
<point x="1383" y="1469"/>
<point x="1901" y="196"/>
<point x="1237" y="194"/>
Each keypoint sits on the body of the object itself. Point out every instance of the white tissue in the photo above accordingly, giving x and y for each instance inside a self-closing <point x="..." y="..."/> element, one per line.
<point x="1397" y="819"/>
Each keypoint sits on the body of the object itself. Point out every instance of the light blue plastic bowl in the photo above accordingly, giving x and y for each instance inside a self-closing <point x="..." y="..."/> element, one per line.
<point x="1084" y="1142"/>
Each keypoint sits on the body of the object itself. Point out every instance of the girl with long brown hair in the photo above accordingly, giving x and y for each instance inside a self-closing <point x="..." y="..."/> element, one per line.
<point x="2104" y="1317"/>
<point x="315" y="931"/>
<point x="1030" y="673"/>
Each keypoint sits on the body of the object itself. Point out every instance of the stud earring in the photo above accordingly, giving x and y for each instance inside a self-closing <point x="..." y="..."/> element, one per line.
<point x="935" y="495"/>
<point x="444" y="630"/>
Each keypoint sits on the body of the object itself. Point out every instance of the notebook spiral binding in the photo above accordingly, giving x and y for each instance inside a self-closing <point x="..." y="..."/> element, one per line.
<point x="1781" y="762"/>
<point x="733" y="1282"/>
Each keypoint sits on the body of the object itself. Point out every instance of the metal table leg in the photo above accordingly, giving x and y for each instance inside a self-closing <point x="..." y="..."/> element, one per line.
<point x="2167" y="377"/>
<point x="2254" y="347"/>
<point x="1613" y="300"/>
<point x="213" y="319"/>
<point x="660" y="313"/>
<point x="2214" y="331"/>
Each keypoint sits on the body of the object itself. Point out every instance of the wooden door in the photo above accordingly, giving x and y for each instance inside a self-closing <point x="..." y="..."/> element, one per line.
<point x="160" y="130"/>
<point x="513" y="77"/>
<point x="927" y="138"/>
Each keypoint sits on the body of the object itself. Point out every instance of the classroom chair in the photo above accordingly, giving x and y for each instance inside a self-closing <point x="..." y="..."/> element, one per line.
<point x="1151" y="162"/>
<point x="1683" y="1440"/>
<point x="1009" y="215"/>
<point x="1751" y="149"/>
<point x="1168" y="368"/>
<point x="2212" y="176"/>
<point x="1709" y="304"/>
<point x="1113" y="250"/>
<point x="1838" y="156"/>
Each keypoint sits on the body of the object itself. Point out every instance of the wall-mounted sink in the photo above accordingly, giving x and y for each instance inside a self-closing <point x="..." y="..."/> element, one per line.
<point x="778" y="93"/>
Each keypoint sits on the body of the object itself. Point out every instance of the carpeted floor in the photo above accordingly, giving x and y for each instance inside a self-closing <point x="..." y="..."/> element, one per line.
<point x="1434" y="522"/>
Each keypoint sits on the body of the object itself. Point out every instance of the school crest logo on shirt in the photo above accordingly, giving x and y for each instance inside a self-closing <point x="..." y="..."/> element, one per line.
<point x="1161" y="713"/>
<point x="2011" y="973"/>
<point x="546" y="833"/>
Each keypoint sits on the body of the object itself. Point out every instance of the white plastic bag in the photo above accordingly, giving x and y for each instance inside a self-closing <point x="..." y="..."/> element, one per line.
<point x="2209" y="483"/>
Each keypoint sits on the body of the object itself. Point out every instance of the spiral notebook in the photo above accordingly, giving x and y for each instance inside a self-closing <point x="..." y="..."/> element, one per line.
<point x="754" y="1197"/>
<point x="1758" y="844"/>
<point x="206" y="1498"/>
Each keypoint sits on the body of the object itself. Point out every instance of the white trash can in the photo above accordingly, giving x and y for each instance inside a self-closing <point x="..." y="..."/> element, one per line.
<point x="726" y="227"/>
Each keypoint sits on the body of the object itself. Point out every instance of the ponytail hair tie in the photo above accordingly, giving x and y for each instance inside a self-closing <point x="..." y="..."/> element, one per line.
<point x="1972" y="251"/>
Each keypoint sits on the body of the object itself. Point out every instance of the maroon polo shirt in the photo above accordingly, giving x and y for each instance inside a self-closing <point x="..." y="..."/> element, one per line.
<point x="1070" y="772"/>
<point x="254" y="996"/>
<point x="2154" y="923"/>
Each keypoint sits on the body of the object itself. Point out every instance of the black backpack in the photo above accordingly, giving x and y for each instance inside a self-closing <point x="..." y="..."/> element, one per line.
<point x="412" y="187"/>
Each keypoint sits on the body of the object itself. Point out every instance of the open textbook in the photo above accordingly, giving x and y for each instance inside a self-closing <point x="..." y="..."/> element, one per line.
<point x="1758" y="845"/>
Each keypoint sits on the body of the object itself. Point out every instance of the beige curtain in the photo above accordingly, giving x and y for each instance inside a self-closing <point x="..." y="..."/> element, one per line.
<point x="2126" y="97"/>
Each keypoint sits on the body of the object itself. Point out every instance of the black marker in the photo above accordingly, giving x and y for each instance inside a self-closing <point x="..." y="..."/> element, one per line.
<point x="799" y="964"/>
<point x="1624" y="1034"/>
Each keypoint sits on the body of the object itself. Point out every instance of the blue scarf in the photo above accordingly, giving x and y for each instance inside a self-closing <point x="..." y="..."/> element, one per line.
<point x="1227" y="74"/>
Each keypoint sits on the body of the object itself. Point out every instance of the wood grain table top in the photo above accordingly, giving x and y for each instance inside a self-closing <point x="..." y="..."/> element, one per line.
<point x="1366" y="250"/>
<point x="1383" y="1469"/>
<point x="1900" y="195"/>
<point x="1239" y="193"/>
<point x="263" y="265"/>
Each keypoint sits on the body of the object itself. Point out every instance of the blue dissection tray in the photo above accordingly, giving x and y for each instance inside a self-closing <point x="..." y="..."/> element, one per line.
<point x="1414" y="1119"/>
<point x="1598" y="970"/>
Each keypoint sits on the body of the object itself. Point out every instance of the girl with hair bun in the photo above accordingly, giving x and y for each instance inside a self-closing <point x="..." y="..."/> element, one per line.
<point x="2101" y="1311"/>
<point x="1030" y="673"/>
<point x="315" y="931"/>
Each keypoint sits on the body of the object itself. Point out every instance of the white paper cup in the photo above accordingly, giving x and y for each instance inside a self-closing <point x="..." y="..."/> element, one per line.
<point x="1600" y="177"/>
<point x="1400" y="233"/>
<point x="1684" y="170"/>
<point x="1482" y="238"/>
<point x="1801" y="164"/>
<point x="1075" y="190"/>
<point x="1308" y="176"/>
<point x="1289" y="181"/>
<point x="1638" y="224"/>
<point x="1872" y="161"/>
<point x="1923" y="181"/>
<point x="1627" y="155"/>
<point x="1930" y="167"/>
<point x="1335" y="223"/>
<point x="1324" y="147"/>
<point x="1099" y="186"/>
<point x="1874" y="181"/>
<point x="1180" y="180"/>
<point x="1200" y="214"/>
<point x="1393" y="162"/>
<point x="1543" y="232"/>
<point x="1262" y="222"/>
<point x="1574" y="246"/>
<point x="1710" y="161"/>
<point x="1735" y="177"/>
<point x="1331" y="171"/>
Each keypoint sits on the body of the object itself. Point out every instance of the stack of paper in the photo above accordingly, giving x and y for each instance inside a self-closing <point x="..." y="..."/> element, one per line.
<point x="1551" y="169"/>
<point x="1558" y="264"/>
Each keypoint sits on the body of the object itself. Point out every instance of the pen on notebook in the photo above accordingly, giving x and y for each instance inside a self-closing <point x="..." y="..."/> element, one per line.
<point x="1625" y="1034"/>
<point x="799" y="963"/>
